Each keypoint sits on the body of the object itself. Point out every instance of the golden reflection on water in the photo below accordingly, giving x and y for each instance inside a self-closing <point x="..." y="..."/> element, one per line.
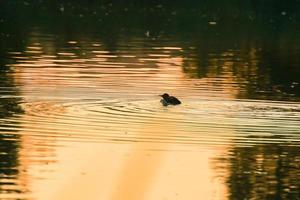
<point x="140" y="170"/>
<point x="120" y="171"/>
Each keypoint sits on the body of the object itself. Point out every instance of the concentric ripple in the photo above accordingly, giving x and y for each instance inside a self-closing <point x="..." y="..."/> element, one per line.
<point x="212" y="122"/>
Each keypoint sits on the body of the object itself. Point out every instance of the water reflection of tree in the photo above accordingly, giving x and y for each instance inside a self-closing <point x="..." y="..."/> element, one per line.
<point x="264" y="172"/>
<point x="9" y="140"/>
<point x="261" y="69"/>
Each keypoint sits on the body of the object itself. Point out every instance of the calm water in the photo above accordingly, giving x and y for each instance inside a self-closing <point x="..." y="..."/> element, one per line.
<point x="80" y="116"/>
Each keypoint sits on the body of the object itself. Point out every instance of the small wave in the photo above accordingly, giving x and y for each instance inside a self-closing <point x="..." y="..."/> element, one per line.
<point x="202" y="122"/>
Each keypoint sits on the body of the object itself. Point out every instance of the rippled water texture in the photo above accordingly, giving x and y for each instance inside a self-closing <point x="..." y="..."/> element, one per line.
<point x="80" y="115"/>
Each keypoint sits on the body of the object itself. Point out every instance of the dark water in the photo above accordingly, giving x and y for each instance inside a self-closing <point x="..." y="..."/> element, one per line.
<point x="80" y="111"/>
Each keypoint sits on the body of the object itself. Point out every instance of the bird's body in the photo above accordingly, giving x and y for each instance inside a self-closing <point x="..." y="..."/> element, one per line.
<point x="169" y="100"/>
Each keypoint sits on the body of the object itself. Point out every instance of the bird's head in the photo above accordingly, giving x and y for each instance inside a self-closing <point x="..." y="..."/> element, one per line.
<point x="165" y="95"/>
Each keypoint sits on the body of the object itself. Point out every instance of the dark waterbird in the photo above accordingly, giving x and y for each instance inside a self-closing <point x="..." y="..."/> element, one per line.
<point x="169" y="100"/>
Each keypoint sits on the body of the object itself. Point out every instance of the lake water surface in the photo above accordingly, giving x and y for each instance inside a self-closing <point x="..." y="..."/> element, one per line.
<point x="80" y="115"/>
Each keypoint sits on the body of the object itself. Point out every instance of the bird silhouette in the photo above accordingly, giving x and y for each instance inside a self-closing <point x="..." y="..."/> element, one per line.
<point x="169" y="100"/>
